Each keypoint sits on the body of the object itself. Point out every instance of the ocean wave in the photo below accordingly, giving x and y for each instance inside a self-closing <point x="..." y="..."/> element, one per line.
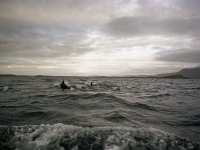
<point x="144" y="106"/>
<point x="59" y="136"/>
<point x="55" y="84"/>
<point x="14" y="106"/>
<point x="4" y="88"/>
<point x="48" y="80"/>
<point x="155" y="95"/>
<point x="190" y="123"/>
<point x="75" y="86"/>
<point x="10" y="106"/>
<point x="37" y="95"/>
<point x="35" y="114"/>
<point x="196" y="88"/>
<point x="116" y="117"/>
<point x="101" y="100"/>
<point x="35" y="102"/>
<point x="77" y="95"/>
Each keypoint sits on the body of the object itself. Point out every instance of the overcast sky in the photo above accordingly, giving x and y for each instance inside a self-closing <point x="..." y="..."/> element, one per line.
<point x="98" y="37"/>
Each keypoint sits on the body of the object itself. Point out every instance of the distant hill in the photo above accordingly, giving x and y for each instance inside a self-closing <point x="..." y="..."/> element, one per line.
<point x="177" y="76"/>
<point x="7" y="75"/>
<point x="193" y="73"/>
<point x="166" y="74"/>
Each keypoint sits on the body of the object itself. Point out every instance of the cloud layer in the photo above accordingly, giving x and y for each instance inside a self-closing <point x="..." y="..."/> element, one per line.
<point x="99" y="37"/>
<point x="181" y="55"/>
<point x="145" y="26"/>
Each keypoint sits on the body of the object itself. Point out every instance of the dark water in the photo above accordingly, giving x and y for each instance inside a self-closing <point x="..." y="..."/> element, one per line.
<point x="116" y="113"/>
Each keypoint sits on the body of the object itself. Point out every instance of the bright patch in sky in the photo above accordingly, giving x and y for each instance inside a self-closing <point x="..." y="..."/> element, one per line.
<point x="101" y="37"/>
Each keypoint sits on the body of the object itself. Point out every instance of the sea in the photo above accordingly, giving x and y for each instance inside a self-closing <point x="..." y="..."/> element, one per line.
<point x="115" y="114"/>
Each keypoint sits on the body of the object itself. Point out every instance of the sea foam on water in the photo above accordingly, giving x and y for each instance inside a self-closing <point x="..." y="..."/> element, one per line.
<point x="60" y="136"/>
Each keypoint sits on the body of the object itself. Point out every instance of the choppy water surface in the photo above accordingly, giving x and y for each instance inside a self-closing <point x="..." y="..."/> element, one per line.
<point x="116" y="113"/>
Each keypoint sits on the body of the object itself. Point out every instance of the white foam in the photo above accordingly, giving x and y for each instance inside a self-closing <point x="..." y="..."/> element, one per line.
<point x="78" y="86"/>
<point x="5" y="88"/>
<point x="116" y="88"/>
<point x="113" y="147"/>
<point x="56" y="84"/>
<point x="117" y="138"/>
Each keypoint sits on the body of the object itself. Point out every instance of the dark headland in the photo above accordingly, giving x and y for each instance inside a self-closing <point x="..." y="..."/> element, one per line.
<point x="186" y="73"/>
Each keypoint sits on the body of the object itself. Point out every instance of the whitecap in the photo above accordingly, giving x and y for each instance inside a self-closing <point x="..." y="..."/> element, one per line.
<point x="5" y="88"/>
<point x="59" y="136"/>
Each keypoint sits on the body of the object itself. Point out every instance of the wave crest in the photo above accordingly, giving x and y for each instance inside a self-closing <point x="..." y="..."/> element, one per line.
<point x="59" y="136"/>
<point x="155" y="95"/>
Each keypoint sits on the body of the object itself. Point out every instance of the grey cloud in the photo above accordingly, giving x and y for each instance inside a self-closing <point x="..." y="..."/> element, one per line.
<point x="50" y="11"/>
<point x="39" y="43"/>
<point x="180" y="55"/>
<point x="42" y="32"/>
<point x="190" y="6"/>
<point x="138" y="26"/>
<point x="33" y="49"/>
<point x="169" y="8"/>
<point x="163" y="18"/>
<point x="41" y="29"/>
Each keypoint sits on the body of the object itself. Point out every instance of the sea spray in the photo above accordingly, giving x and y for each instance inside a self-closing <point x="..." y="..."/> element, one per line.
<point x="60" y="136"/>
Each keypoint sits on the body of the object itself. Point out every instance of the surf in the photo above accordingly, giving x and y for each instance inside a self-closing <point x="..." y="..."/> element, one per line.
<point x="60" y="136"/>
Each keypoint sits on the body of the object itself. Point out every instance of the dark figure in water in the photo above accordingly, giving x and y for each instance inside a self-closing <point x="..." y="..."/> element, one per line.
<point x="64" y="86"/>
<point x="91" y="84"/>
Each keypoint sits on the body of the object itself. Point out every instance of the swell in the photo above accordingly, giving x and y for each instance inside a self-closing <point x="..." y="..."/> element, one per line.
<point x="155" y="95"/>
<point x="101" y="100"/>
<point x="117" y="117"/>
<point x="196" y="88"/>
<point x="144" y="106"/>
<point x="59" y="136"/>
<point x="189" y="121"/>
<point x="37" y="96"/>
<point x="17" y="106"/>
<point x="35" y="114"/>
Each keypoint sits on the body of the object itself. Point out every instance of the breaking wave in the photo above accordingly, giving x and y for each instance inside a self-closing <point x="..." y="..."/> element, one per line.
<point x="4" y="88"/>
<point x="66" y="137"/>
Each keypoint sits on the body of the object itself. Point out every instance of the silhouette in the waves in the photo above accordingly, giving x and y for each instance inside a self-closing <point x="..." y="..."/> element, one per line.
<point x="64" y="86"/>
<point x="91" y="84"/>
